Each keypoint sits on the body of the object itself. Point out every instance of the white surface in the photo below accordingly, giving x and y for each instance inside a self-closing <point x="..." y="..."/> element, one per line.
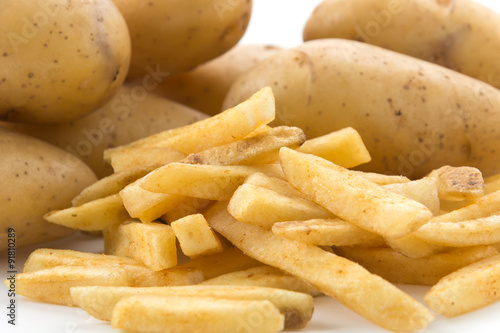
<point x="277" y="22"/>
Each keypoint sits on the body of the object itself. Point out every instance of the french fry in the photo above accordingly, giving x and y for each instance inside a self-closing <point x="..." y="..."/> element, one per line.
<point x="110" y="185"/>
<point x="381" y="179"/>
<point x="148" y="206"/>
<point x="467" y="289"/>
<point x="153" y="244"/>
<point x="422" y="190"/>
<point x="212" y="182"/>
<point x="369" y="295"/>
<point x="352" y="197"/>
<point x="262" y="147"/>
<point x="458" y="183"/>
<point x="172" y="314"/>
<point x="263" y="276"/>
<point x="343" y="147"/>
<point x="485" y="230"/>
<point x="196" y="237"/>
<point x="485" y="206"/>
<point x="53" y="285"/>
<point x="228" y="126"/>
<point x="275" y="184"/>
<point x="100" y="301"/>
<point x="144" y="157"/>
<point x="95" y="215"/>
<point x="414" y="247"/>
<point x="187" y="207"/>
<point x="400" y="269"/>
<point x="140" y="275"/>
<point x="230" y="260"/>
<point x="326" y="232"/>
<point x="264" y="207"/>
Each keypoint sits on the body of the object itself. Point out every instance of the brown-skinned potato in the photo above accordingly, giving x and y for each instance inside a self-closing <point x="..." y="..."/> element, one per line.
<point x="60" y="60"/>
<point x="133" y="113"/>
<point x="439" y="31"/>
<point x="176" y="35"/>
<point x="412" y="115"/>
<point x="36" y="178"/>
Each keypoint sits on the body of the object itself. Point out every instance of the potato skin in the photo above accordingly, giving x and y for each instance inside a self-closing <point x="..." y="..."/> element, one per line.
<point x="176" y="35"/>
<point x="413" y="116"/>
<point x="132" y="114"/>
<point x="60" y="59"/>
<point x="204" y="87"/>
<point x="441" y="31"/>
<point x="36" y="178"/>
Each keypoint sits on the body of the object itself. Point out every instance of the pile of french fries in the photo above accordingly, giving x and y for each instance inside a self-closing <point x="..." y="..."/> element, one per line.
<point x="267" y="220"/>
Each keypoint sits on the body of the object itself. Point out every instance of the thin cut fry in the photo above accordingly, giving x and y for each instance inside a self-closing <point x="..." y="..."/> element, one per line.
<point x="100" y="301"/>
<point x="351" y="197"/>
<point x="326" y="232"/>
<point x="95" y="215"/>
<point x="400" y="269"/>
<point x="337" y="277"/>
<point x="467" y="289"/>
<point x="344" y="147"/>
<point x="226" y="127"/>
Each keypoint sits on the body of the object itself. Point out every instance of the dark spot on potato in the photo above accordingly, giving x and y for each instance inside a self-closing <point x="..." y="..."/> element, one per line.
<point x="116" y="75"/>
<point x="398" y="112"/>
<point x="5" y="54"/>
<point x="30" y="75"/>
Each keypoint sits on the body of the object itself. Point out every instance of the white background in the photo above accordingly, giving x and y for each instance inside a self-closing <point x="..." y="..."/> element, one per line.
<point x="277" y="22"/>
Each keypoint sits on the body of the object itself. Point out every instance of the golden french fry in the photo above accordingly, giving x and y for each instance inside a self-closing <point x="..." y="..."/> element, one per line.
<point x="110" y="185"/>
<point x="95" y="215"/>
<point x="100" y="301"/>
<point x="148" y="206"/>
<point x="275" y="184"/>
<point x="140" y="275"/>
<point x="153" y="244"/>
<point x="414" y="247"/>
<point x="492" y="184"/>
<point x="400" y="269"/>
<point x="352" y="197"/>
<point x="53" y="285"/>
<point x="172" y="314"/>
<point x="228" y="261"/>
<point x="482" y="207"/>
<point x="381" y="179"/>
<point x="262" y="147"/>
<point x="263" y="276"/>
<point x="344" y="147"/>
<point x="143" y="157"/>
<point x="485" y="230"/>
<point x="264" y="207"/>
<point x="467" y="289"/>
<point x="458" y="183"/>
<point x="196" y="237"/>
<point x="369" y="295"/>
<point x="187" y="207"/>
<point x="422" y="190"/>
<point x="324" y="232"/>
<point x="212" y="182"/>
<point x="228" y="126"/>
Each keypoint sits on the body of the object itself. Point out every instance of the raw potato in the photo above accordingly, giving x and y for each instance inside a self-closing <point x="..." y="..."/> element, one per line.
<point x="36" y="178"/>
<point x="414" y="116"/>
<point x="204" y="87"/>
<point x="60" y="60"/>
<point x="173" y="36"/>
<point x="447" y="31"/>
<point x="132" y="114"/>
